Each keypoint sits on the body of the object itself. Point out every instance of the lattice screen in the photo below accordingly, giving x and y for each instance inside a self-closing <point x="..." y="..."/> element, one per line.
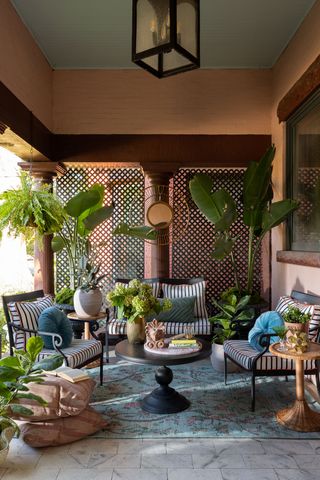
<point x="121" y="256"/>
<point x="191" y="255"/>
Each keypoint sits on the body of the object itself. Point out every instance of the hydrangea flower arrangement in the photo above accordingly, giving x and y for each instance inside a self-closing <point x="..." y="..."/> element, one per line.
<point x="136" y="300"/>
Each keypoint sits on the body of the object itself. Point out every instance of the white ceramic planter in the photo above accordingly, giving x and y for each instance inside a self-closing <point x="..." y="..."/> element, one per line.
<point x="217" y="360"/>
<point x="5" y="439"/>
<point x="87" y="304"/>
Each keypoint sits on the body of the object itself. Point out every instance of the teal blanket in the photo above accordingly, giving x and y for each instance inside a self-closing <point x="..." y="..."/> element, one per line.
<point x="265" y="324"/>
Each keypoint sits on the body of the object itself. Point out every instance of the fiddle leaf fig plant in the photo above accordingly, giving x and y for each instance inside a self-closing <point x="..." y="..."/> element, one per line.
<point x="260" y="214"/>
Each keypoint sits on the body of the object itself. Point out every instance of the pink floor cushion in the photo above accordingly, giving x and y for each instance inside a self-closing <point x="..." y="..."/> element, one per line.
<point x="50" y="433"/>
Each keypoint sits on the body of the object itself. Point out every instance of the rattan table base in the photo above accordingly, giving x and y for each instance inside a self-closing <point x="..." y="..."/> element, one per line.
<point x="299" y="417"/>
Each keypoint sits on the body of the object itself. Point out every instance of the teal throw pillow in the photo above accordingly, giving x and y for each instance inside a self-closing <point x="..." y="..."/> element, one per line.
<point x="53" y="320"/>
<point x="182" y="310"/>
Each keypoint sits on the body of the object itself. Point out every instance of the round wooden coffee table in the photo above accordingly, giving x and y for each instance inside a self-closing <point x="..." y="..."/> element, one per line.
<point x="299" y="417"/>
<point x="163" y="399"/>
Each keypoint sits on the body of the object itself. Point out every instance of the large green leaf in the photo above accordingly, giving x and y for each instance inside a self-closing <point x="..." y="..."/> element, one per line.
<point x="10" y="362"/>
<point x="32" y="396"/>
<point x="34" y="347"/>
<point x="257" y="189"/>
<point x="222" y="247"/>
<point x="218" y="207"/>
<point x="48" y="363"/>
<point x="20" y="410"/>
<point x="277" y="213"/>
<point x="82" y="229"/>
<point x="140" y="231"/>
<point x="82" y="202"/>
<point x="8" y="374"/>
<point x="97" y="217"/>
<point x="57" y="244"/>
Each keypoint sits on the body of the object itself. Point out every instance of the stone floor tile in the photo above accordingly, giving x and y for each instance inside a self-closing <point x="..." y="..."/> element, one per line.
<point x="218" y="461"/>
<point x="25" y="462"/>
<point x="245" y="474"/>
<point x="166" y="461"/>
<point x="31" y="474"/>
<point x="297" y="474"/>
<point x="196" y="474"/>
<point x="307" y="461"/>
<point x="84" y="474"/>
<point x="63" y="460"/>
<point x="102" y="461"/>
<point x="18" y="447"/>
<point x="138" y="447"/>
<point x="238" y="446"/>
<point x="270" y="461"/>
<point x="315" y="444"/>
<point x="94" y="445"/>
<point x="288" y="447"/>
<point x="2" y="472"/>
<point x="185" y="446"/>
<point x="139" y="474"/>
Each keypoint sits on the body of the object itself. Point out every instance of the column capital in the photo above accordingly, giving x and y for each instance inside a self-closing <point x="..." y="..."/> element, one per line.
<point x="43" y="170"/>
<point x="158" y="178"/>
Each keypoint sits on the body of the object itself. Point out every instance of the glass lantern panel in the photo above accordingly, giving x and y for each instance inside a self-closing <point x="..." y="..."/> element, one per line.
<point x="174" y="60"/>
<point x="187" y="14"/>
<point x="152" y="61"/>
<point x="153" y="24"/>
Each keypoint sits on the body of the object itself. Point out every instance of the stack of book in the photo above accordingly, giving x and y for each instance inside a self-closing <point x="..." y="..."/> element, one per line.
<point x="184" y="343"/>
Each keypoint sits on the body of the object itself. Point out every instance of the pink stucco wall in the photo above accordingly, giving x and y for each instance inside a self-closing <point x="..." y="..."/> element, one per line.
<point x="301" y="52"/>
<point x="23" y="68"/>
<point x="133" y="101"/>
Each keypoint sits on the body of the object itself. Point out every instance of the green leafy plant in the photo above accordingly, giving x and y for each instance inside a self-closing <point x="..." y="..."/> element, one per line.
<point x="3" y="331"/>
<point x="64" y="296"/>
<point x="89" y="279"/>
<point x="294" y="315"/>
<point x="30" y="209"/>
<point x="260" y="214"/>
<point x="136" y="300"/>
<point x="281" y="332"/>
<point x="15" y="375"/>
<point x="231" y="312"/>
<point x="83" y="213"/>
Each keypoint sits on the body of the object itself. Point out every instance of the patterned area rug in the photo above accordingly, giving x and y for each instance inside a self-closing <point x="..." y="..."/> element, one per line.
<point x="216" y="410"/>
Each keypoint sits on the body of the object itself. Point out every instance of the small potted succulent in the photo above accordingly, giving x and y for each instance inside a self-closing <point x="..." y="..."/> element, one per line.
<point x="295" y="320"/>
<point x="134" y="302"/>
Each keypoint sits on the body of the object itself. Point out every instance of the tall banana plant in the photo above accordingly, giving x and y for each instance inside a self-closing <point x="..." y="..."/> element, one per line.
<point x="83" y="213"/>
<point x="260" y="214"/>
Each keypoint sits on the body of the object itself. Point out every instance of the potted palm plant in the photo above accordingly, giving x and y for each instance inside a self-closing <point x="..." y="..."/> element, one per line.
<point x="15" y="375"/>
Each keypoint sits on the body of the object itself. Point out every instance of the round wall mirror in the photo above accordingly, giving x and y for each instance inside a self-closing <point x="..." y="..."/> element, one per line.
<point x="159" y="215"/>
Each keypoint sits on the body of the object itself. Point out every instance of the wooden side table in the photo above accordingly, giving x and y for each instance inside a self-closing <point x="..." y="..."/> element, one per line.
<point x="299" y="417"/>
<point x="87" y="335"/>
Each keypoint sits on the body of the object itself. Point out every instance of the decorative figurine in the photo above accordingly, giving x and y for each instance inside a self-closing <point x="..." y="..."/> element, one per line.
<point x="155" y="333"/>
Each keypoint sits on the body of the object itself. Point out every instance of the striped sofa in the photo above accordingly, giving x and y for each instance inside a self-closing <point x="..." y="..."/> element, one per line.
<point x="172" y="288"/>
<point x="264" y="363"/>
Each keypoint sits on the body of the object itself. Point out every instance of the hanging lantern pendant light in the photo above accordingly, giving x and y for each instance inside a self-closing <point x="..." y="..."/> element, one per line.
<point x="166" y="36"/>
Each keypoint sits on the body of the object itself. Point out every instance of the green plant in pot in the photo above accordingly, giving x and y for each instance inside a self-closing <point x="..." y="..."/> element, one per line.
<point x="260" y="215"/>
<point x="16" y="373"/>
<point x="88" y="297"/>
<point x="134" y="302"/>
<point x="233" y="314"/>
<point x="30" y="210"/>
<point x="295" y="321"/>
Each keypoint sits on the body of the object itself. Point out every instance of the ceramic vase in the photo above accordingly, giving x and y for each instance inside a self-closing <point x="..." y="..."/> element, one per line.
<point x="136" y="331"/>
<point x="5" y="439"/>
<point x="296" y="328"/>
<point x="87" y="304"/>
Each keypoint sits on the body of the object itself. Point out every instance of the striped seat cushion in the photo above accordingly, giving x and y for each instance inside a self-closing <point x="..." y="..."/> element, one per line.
<point x="25" y="315"/>
<point x="314" y="310"/>
<point x="201" y="327"/>
<point x="243" y="354"/>
<point x="78" y="353"/>
<point x="197" y="290"/>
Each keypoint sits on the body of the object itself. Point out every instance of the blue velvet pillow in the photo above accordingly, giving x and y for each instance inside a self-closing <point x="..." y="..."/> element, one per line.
<point x="53" y="320"/>
<point x="182" y="310"/>
<point x="265" y="324"/>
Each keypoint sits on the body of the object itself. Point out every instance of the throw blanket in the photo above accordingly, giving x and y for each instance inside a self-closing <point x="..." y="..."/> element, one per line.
<point x="264" y="324"/>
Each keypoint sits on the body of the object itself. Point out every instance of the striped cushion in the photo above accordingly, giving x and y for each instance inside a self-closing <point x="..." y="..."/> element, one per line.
<point x="201" y="327"/>
<point x="25" y="315"/>
<point x="314" y="310"/>
<point x="244" y="354"/>
<point x="78" y="353"/>
<point x="197" y="290"/>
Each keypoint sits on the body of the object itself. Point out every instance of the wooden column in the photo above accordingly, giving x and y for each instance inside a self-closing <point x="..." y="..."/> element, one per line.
<point x="43" y="172"/>
<point x="159" y="254"/>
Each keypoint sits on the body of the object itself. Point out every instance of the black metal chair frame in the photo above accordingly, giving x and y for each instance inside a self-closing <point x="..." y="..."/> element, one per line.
<point x="56" y="339"/>
<point x="265" y="343"/>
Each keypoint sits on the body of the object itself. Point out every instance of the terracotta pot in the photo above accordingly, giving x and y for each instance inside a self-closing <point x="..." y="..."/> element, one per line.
<point x="5" y="439"/>
<point x="87" y="304"/>
<point x="136" y="331"/>
<point x="217" y="360"/>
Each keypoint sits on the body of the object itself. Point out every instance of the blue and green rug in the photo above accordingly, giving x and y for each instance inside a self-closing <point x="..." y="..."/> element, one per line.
<point x="216" y="410"/>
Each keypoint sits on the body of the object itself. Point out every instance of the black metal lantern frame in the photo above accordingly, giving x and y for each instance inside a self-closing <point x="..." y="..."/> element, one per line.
<point x="154" y="59"/>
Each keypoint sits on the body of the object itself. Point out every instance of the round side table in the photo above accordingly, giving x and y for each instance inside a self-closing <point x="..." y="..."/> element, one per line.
<point x="74" y="316"/>
<point x="299" y="417"/>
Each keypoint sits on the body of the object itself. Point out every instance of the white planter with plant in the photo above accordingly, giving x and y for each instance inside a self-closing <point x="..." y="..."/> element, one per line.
<point x="87" y="300"/>
<point x="15" y="375"/>
<point x="134" y="302"/>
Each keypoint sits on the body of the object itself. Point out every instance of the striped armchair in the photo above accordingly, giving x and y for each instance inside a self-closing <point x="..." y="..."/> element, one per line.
<point x="22" y="312"/>
<point x="261" y="364"/>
